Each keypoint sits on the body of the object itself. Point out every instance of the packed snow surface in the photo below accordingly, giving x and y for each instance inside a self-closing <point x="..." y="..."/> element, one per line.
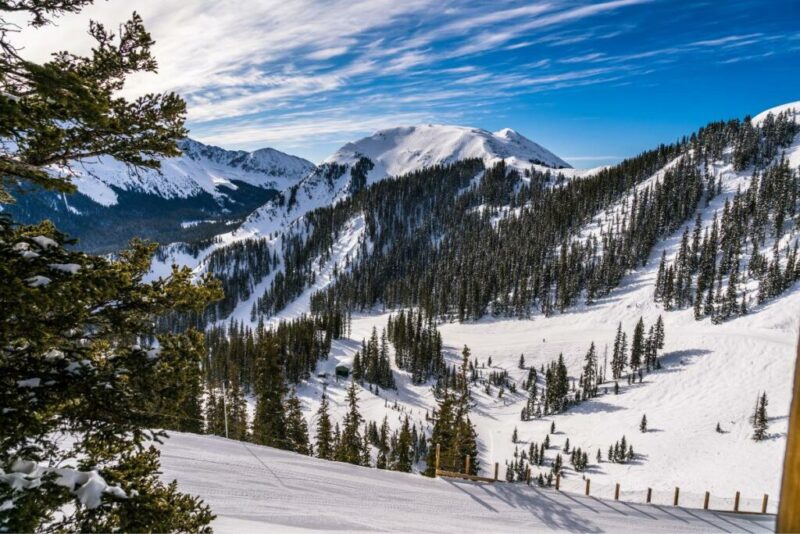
<point x="258" y="489"/>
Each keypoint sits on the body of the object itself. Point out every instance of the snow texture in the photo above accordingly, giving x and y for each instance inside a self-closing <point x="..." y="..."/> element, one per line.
<point x="257" y="489"/>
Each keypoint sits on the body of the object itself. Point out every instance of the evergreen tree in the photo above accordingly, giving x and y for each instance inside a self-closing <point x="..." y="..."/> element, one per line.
<point x="404" y="453"/>
<point x="351" y="444"/>
<point x="324" y="438"/>
<point x="760" y="420"/>
<point x="296" y="426"/>
<point x="383" y="446"/>
<point x="637" y="345"/>
<point x="91" y="358"/>
<point x="643" y="424"/>
<point x="590" y="378"/>
<point x="269" y="423"/>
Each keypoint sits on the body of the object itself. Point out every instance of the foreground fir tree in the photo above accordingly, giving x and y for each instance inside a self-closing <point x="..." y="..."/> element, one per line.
<point x="79" y="356"/>
<point x="74" y="361"/>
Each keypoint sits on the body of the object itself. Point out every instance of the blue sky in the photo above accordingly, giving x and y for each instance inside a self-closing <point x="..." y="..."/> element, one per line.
<point x="591" y="81"/>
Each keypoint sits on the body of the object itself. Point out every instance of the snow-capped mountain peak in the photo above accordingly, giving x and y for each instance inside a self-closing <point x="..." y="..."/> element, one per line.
<point x="268" y="161"/>
<point x="403" y="149"/>
<point x="201" y="168"/>
<point x="395" y="152"/>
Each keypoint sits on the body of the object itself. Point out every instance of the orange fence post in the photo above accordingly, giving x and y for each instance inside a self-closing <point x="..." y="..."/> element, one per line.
<point x="736" y="502"/>
<point x="616" y="492"/>
<point x="496" y="469"/>
<point x="466" y="465"/>
<point x="587" y="486"/>
<point x="438" y="455"/>
<point x="764" y="504"/>
<point x="558" y="481"/>
<point x="705" y="501"/>
<point x="677" y="494"/>
<point x="649" y="495"/>
<point x="788" y="511"/>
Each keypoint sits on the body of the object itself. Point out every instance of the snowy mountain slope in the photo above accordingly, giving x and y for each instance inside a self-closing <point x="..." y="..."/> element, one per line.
<point x="401" y="150"/>
<point x="398" y="151"/>
<point x="252" y="488"/>
<point x="712" y="374"/>
<point x="393" y="152"/>
<point x="201" y="168"/>
<point x="194" y="196"/>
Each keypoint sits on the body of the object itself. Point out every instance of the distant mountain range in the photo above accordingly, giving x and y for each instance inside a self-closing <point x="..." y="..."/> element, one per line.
<point x="209" y="190"/>
<point x="205" y="191"/>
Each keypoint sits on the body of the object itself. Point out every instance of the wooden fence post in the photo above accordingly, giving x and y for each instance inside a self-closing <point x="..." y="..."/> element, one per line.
<point x="528" y="476"/>
<point x="764" y="504"/>
<point x="438" y="455"/>
<point x="677" y="494"/>
<point x="616" y="492"/>
<point x="705" y="501"/>
<point x="496" y="469"/>
<point x="649" y="495"/>
<point x="736" y="502"/>
<point x="788" y="511"/>
<point x="466" y="465"/>
<point x="558" y="481"/>
<point x="587" y="486"/>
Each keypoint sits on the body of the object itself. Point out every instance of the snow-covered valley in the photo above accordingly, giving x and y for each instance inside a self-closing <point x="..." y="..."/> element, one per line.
<point x="698" y="405"/>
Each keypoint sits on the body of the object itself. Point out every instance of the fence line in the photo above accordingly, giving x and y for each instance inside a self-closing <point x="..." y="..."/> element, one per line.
<point x="674" y="497"/>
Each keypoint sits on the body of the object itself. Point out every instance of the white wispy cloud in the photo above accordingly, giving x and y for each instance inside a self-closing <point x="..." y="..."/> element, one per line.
<point x="308" y="71"/>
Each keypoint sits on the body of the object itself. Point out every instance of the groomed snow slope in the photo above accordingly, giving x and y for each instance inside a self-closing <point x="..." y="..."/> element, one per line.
<point x="257" y="489"/>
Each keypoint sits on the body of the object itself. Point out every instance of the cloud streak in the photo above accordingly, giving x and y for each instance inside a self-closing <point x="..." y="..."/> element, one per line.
<point x="303" y="72"/>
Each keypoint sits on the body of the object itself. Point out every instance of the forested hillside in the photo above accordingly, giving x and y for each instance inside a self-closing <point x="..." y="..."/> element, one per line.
<point x="525" y="317"/>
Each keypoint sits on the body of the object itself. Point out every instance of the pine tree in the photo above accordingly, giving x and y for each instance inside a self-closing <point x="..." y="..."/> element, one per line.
<point x="296" y="426"/>
<point x="760" y="420"/>
<point x="659" y="333"/>
<point x="324" y="438"/>
<point x="618" y="355"/>
<point x="442" y="435"/>
<point x="404" y="452"/>
<point x="382" y="461"/>
<point x="643" y="424"/>
<point x="269" y="423"/>
<point x="351" y="444"/>
<point x="637" y="345"/>
<point x="70" y="109"/>
<point x="590" y="373"/>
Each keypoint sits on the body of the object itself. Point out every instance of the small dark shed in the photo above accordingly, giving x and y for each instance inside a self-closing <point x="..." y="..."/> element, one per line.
<point x="342" y="371"/>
